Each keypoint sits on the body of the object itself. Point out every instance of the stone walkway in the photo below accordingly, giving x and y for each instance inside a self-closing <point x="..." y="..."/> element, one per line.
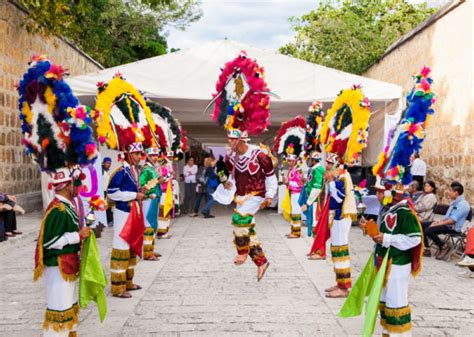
<point x="195" y="290"/>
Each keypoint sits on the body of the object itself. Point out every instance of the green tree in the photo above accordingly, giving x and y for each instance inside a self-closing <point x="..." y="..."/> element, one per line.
<point x="352" y="35"/>
<point x="113" y="32"/>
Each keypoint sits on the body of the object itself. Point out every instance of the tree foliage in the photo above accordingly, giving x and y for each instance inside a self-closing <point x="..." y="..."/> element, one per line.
<point x="352" y="35"/>
<point x="112" y="32"/>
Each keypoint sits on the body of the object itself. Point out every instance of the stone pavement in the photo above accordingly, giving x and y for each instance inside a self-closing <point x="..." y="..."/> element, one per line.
<point x="195" y="290"/>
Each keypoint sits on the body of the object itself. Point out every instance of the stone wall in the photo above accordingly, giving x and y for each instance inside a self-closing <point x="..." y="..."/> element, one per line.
<point x="449" y="146"/>
<point x="19" y="174"/>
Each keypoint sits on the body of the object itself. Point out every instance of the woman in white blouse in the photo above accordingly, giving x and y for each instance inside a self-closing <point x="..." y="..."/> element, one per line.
<point x="425" y="204"/>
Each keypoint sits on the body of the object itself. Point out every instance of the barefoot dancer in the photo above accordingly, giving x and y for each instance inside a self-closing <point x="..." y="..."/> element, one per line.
<point x="289" y="144"/>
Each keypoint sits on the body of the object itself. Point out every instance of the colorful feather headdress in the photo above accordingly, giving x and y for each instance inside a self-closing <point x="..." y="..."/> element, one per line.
<point x="242" y="101"/>
<point x="346" y="125"/>
<point x="55" y="127"/>
<point x="172" y="130"/>
<point x="314" y="123"/>
<point x="162" y="134"/>
<point x="289" y="141"/>
<point x="406" y="139"/>
<point x="123" y="115"/>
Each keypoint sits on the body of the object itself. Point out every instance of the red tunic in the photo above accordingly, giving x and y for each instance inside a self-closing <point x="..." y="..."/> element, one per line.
<point x="251" y="170"/>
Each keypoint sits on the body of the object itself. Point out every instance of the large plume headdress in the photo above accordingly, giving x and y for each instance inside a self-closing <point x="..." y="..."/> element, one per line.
<point x="55" y="127"/>
<point x="406" y="139"/>
<point x="289" y="141"/>
<point x="242" y="101"/>
<point x="314" y="123"/>
<point x="346" y="125"/>
<point x="173" y="129"/>
<point x="123" y="114"/>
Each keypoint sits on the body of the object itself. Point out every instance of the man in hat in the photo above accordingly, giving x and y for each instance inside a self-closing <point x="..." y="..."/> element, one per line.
<point x="294" y="182"/>
<point x="150" y="179"/>
<point x="166" y="188"/>
<point x="400" y="231"/>
<point x="314" y="184"/>
<point x="57" y="255"/>
<point x="255" y="184"/>
<point x="123" y="189"/>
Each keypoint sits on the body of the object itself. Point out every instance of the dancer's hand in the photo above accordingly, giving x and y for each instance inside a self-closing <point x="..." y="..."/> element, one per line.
<point x="304" y="208"/>
<point x="266" y="203"/>
<point x="362" y="224"/>
<point x="228" y="185"/>
<point x="378" y="238"/>
<point x="85" y="232"/>
<point x="140" y="196"/>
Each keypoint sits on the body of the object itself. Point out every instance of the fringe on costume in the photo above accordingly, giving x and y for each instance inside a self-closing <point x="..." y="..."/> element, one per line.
<point x="395" y="320"/>
<point x="67" y="277"/>
<point x="60" y="320"/>
<point x="257" y="255"/>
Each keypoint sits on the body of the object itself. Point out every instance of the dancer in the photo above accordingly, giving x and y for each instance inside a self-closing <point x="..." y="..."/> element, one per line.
<point x="252" y="178"/>
<point x="314" y="181"/>
<point x="314" y="185"/>
<point x="123" y="121"/>
<point x="344" y="136"/>
<point x="57" y="134"/>
<point x="150" y="180"/>
<point x="166" y="200"/>
<point x="289" y="144"/>
<point x="128" y="220"/>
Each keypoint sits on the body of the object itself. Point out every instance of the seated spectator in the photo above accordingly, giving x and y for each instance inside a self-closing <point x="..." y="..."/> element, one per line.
<point x="452" y="222"/>
<point x="425" y="204"/>
<point x="414" y="190"/>
<point x="8" y="207"/>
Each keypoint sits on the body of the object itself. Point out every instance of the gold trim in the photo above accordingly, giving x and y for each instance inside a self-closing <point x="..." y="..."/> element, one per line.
<point x="60" y="320"/>
<point x="397" y="312"/>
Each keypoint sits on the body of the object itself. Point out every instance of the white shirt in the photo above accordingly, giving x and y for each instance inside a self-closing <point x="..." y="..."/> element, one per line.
<point x="190" y="174"/>
<point x="418" y="168"/>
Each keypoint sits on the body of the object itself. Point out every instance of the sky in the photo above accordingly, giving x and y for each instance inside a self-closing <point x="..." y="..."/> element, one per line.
<point x="262" y="23"/>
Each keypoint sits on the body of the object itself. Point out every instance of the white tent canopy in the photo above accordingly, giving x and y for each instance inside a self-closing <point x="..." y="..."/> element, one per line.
<point x="185" y="81"/>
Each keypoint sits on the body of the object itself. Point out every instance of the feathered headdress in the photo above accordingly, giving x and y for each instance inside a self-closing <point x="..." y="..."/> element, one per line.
<point x="161" y="138"/>
<point x="172" y="130"/>
<point x="55" y="128"/>
<point x="313" y="128"/>
<point x="346" y="125"/>
<point x="289" y="141"/>
<point x="242" y="101"/>
<point x="406" y="139"/>
<point x="123" y="114"/>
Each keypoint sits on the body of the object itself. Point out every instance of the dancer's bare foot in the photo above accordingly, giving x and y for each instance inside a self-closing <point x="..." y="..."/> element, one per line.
<point x="292" y="236"/>
<point x="157" y="254"/>
<point x="165" y="236"/>
<point x="328" y="290"/>
<point x="152" y="258"/>
<point x="316" y="257"/>
<point x="135" y="287"/>
<point x="338" y="293"/>
<point x="240" y="259"/>
<point x="125" y="294"/>
<point x="261" y="271"/>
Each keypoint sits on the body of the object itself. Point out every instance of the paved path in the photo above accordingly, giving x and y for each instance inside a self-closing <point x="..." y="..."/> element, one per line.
<point x="195" y="290"/>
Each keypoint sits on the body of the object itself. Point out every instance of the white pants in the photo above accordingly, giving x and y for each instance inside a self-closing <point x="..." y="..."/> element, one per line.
<point x="61" y="296"/>
<point x="395" y="295"/>
<point x="146" y="207"/>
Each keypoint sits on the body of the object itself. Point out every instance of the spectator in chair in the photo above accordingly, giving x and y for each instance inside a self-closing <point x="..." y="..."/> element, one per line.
<point x="8" y="207"/>
<point x="414" y="191"/>
<point x="451" y="223"/>
<point x="426" y="202"/>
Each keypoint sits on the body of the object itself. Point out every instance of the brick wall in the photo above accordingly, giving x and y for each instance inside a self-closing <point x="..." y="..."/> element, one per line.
<point x="449" y="146"/>
<point x="19" y="174"/>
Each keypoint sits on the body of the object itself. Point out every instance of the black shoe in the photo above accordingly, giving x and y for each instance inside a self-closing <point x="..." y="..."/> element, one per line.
<point x="209" y="216"/>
